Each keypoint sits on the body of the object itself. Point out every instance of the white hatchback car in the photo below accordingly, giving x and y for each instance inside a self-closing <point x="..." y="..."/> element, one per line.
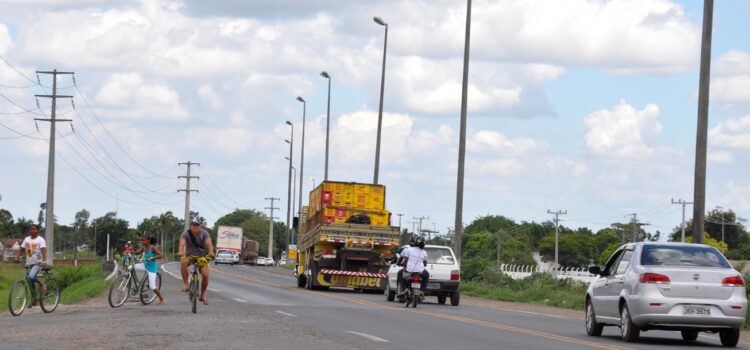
<point x="667" y="286"/>
<point x="260" y="261"/>
<point x="444" y="278"/>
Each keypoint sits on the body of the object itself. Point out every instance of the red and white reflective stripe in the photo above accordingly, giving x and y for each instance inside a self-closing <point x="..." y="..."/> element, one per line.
<point x="353" y="273"/>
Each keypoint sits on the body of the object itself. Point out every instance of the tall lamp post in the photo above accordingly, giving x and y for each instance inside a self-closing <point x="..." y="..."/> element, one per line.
<point x="462" y="138"/>
<point x="380" y="21"/>
<point x="325" y="74"/>
<point x="302" y="159"/>
<point x="289" y="182"/>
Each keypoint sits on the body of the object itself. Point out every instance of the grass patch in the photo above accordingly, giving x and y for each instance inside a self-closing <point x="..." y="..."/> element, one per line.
<point x="538" y="289"/>
<point x="89" y="287"/>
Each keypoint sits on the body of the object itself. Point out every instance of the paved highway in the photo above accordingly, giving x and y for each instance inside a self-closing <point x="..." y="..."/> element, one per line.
<point x="255" y="307"/>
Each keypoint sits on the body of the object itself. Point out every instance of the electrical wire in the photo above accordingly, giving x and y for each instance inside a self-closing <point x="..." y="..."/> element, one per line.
<point x="91" y="109"/>
<point x="18" y="71"/>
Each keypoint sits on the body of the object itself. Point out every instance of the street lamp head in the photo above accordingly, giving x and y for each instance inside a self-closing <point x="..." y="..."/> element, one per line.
<point x="299" y="98"/>
<point x="288" y="123"/>
<point x="287" y="158"/>
<point x="287" y="141"/>
<point x="324" y="74"/>
<point x="379" y="20"/>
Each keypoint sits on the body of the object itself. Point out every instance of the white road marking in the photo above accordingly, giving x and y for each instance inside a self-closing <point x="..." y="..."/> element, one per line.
<point x="369" y="336"/>
<point x="285" y="313"/>
<point x="214" y="290"/>
<point x="239" y="300"/>
<point x="164" y="268"/>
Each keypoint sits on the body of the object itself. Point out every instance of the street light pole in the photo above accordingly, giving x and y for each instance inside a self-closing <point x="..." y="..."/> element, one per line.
<point x="462" y="138"/>
<point x="722" y="222"/>
<point x="294" y="195"/>
<point x="289" y="181"/>
<point x="378" y="20"/>
<point x="301" y="160"/>
<point x="325" y="74"/>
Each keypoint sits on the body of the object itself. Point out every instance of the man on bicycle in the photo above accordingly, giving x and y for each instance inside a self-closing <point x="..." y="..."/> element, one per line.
<point x="195" y="244"/>
<point x="36" y="255"/>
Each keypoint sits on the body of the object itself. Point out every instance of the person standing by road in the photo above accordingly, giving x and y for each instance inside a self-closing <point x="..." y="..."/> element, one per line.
<point x="195" y="244"/>
<point x="36" y="256"/>
<point x="149" y="264"/>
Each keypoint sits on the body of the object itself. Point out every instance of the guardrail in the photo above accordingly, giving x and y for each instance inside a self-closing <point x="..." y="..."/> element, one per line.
<point x="523" y="271"/>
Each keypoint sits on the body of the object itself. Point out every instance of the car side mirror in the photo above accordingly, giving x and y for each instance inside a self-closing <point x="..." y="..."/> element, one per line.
<point x="595" y="270"/>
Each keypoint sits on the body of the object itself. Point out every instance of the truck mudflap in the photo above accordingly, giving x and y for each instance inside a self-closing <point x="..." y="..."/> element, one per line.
<point x="350" y="279"/>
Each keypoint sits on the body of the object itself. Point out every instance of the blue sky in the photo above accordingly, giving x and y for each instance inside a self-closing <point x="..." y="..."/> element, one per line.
<point x="585" y="106"/>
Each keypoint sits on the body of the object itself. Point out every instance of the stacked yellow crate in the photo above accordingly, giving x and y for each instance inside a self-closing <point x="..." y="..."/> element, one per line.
<point x="335" y="202"/>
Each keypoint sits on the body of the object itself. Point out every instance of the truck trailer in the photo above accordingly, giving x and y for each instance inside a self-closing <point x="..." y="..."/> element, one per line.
<point x="346" y="239"/>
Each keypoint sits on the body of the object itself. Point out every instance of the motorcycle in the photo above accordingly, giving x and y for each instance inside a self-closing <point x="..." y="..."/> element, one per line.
<point x="413" y="293"/>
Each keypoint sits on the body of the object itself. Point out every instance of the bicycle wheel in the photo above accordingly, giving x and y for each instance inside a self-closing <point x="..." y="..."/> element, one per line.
<point x="194" y="295"/>
<point x="119" y="290"/>
<point x="18" y="298"/>
<point x="147" y="294"/>
<point x="51" y="299"/>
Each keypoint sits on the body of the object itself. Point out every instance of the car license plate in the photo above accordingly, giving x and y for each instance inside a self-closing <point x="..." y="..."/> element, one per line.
<point x="696" y="310"/>
<point x="416" y="285"/>
<point x="433" y="285"/>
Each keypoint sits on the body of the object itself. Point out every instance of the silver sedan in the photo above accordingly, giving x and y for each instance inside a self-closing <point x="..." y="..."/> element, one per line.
<point x="667" y="286"/>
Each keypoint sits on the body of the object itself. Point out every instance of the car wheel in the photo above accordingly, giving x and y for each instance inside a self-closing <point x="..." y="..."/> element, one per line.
<point x="628" y="330"/>
<point x="301" y="281"/>
<point x="455" y="298"/>
<point x="390" y="295"/>
<point x="729" y="337"/>
<point x="689" y="335"/>
<point x="593" y="328"/>
<point x="441" y="299"/>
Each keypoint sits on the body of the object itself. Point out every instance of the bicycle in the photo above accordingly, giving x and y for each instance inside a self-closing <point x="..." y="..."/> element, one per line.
<point x="128" y="284"/>
<point x="194" y="281"/>
<point x="20" y="292"/>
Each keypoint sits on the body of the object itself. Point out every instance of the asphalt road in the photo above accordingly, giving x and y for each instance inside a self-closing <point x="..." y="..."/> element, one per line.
<point x="252" y="307"/>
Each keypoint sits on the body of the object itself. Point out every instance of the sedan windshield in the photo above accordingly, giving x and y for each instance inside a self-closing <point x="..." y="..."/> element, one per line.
<point x="668" y="255"/>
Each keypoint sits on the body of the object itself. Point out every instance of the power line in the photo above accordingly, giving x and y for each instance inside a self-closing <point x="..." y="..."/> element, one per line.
<point x="86" y="102"/>
<point x="18" y="71"/>
<point x="208" y="177"/>
<point x="20" y="134"/>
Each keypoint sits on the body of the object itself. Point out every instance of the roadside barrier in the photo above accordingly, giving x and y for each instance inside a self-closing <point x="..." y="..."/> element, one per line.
<point x="522" y="271"/>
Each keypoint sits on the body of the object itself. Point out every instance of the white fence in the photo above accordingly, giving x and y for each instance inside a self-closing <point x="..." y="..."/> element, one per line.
<point x="522" y="271"/>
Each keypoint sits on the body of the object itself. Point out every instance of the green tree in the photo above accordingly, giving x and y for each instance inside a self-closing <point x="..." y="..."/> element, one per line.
<point x="7" y="226"/>
<point x="116" y="228"/>
<point x="80" y="230"/>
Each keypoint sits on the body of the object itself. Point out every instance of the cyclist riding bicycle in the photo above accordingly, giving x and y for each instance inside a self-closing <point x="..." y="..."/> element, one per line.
<point x="127" y="252"/>
<point x="150" y="266"/>
<point x="195" y="244"/>
<point x="36" y="255"/>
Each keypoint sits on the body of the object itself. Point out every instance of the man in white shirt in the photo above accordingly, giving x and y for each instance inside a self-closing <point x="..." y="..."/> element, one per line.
<point x="415" y="259"/>
<point x="36" y="255"/>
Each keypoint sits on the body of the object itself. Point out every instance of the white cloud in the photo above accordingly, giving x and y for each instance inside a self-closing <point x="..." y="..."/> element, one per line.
<point x="487" y="140"/>
<point x="721" y="157"/>
<point x="640" y="35"/>
<point x="209" y="97"/>
<point x="622" y="131"/>
<point x="731" y="89"/>
<point x="733" y="62"/>
<point x="496" y="166"/>
<point x="558" y="164"/>
<point x="732" y="133"/>
<point x="129" y="96"/>
<point x="226" y="141"/>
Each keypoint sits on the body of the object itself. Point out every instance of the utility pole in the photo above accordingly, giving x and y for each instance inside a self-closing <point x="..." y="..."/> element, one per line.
<point x="49" y="221"/>
<point x="636" y="226"/>
<point x="421" y="218"/>
<point x="289" y="184"/>
<point x="683" y="203"/>
<point x="557" y="234"/>
<point x="187" y="191"/>
<point x="270" y="229"/>
<point x="399" y="221"/>
<point x="462" y="137"/>
<point x="701" y="139"/>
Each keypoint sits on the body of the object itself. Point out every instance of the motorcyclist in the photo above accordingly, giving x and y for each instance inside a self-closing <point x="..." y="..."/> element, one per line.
<point x="414" y="261"/>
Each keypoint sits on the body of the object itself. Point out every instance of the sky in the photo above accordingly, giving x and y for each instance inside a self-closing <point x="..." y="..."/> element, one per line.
<point x="587" y="106"/>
